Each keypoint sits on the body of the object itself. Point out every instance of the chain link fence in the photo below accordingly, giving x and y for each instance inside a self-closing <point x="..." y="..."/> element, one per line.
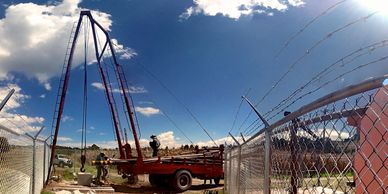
<point x="337" y="144"/>
<point x="23" y="162"/>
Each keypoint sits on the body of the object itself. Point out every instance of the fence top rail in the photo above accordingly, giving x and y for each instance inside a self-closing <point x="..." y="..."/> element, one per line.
<point x="325" y="100"/>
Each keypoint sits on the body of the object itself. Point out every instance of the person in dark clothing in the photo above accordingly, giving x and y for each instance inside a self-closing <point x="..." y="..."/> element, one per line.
<point x="99" y="166"/>
<point x="105" y="170"/>
<point x="155" y="144"/>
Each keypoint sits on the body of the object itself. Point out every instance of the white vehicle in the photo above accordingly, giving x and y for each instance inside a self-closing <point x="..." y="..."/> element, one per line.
<point x="62" y="161"/>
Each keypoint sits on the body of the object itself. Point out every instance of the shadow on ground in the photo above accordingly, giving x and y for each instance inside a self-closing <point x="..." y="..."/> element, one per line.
<point x="149" y="189"/>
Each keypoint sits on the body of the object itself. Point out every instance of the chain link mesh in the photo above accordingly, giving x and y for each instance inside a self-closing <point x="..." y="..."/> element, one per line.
<point x="338" y="147"/>
<point x="17" y="163"/>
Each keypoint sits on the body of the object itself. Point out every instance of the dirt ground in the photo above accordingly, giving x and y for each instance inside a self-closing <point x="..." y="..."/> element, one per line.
<point x="143" y="186"/>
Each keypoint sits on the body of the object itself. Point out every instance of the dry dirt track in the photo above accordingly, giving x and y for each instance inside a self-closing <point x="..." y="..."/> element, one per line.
<point x="145" y="187"/>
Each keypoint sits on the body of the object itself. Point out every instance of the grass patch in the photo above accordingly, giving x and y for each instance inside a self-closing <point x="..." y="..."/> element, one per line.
<point x="90" y="169"/>
<point x="68" y="175"/>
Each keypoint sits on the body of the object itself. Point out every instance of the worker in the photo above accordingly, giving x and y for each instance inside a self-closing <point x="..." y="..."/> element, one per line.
<point x="155" y="144"/>
<point x="99" y="166"/>
<point x="105" y="170"/>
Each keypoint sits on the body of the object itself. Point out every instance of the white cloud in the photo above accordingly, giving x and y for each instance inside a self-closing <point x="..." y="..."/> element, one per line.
<point x="65" y="139"/>
<point x="228" y="140"/>
<point x="166" y="139"/>
<point x="98" y="85"/>
<point x="137" y="89"/>
<point x="236" y="8"/>
<point x="124" y="52"/>
<point x="34" y="39"/>
<point x="296" y="3"/>
<point x="80" y="130"/>
<point x="147" y="111"/>
<point x="9" y="117"/>
<point x="132" y="89"/>
<point x="47" y="86"/>
<point x="330" y="133"/>
<point x="42" y="96"/>
<point x="66" y="118"/>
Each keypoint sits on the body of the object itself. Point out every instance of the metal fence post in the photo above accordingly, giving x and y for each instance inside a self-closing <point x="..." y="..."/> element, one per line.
<point x="267" y="163"/>
<point x="230" y="170"/>
<point x="34" y="138"/>
<point x="44" y="158"/>
<point x="267" y="147"/>
<point x="44" y="161"/>
<point x="239" y="169"/>
<point x="226" y="171"/>
<point x="238" y="163"/>
<point x="2" y="104"/>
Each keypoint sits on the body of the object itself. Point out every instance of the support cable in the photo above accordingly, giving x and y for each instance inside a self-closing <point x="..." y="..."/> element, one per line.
<point x="110" y="90"/>
<point x="179" y="101"/>
<point x="122" y="97"/>
<point x="85" y="98"/>
<point x="174" y="96"/>
<point x="169" y="118"/>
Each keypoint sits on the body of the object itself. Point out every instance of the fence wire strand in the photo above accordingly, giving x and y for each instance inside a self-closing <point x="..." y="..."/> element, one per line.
<point x="338" y="146"/>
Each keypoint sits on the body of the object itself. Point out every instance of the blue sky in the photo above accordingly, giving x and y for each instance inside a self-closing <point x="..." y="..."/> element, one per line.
<point x="208" y="54"/>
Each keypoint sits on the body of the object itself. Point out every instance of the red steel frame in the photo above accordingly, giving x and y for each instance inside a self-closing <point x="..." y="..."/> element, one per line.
<point x="202" y="167"/>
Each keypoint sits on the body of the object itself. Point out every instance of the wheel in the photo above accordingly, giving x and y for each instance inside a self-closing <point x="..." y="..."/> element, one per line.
<point x="159" y="180"/>
<point x="61" y="164"/>
<point x="153" y="179"/>
<point x="133" y="179"/>
<point x="217" y="181"/>
<point x="182" y="180"/>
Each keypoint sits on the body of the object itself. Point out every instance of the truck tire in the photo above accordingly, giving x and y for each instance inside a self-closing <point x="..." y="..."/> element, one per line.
<point x="182" y="180"/>
<point x="133" y="179"/>
<point x="159" y="180"/>
<point x="217" y="181"/>
<point x="61" y="164"/>
<point x="154" y="180"/>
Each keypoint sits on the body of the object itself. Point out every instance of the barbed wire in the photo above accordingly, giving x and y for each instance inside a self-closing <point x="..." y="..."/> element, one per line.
<point x="328" y="82"/>
<point x="21" y="127"/>
<point x="290" y="39"/>
<point x="17" y="98"/>
<point x="310" y="49"/>
<point x="252" y="127"/>
<point x="368" y="49"/>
